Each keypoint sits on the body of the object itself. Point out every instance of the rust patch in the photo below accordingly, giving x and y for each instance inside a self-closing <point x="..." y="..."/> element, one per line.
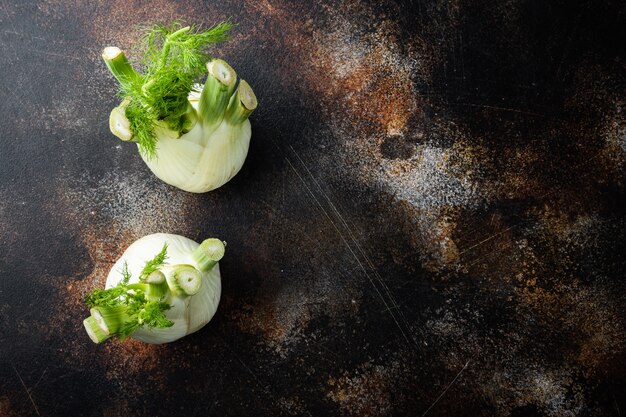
<point x="117" y="408"/>
<point x="613" y="154"/>
<point x="552" y="392"/>
<point x="115" y="22"/>
<point x="534" y="273"/>
<point x="5" y="407"/>
<point x="367" y="391"/>
<point x="280" y="326"/>
<point x="560" y="297"/>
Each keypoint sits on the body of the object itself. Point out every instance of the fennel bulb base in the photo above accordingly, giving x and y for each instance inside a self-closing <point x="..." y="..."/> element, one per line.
<point x="202" y="159"/>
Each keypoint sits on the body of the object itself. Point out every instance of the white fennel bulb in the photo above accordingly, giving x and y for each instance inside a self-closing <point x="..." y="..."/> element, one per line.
<point x="204" y="158"/>
<point x="192" y="136"/>
<point x="163" y="287"/>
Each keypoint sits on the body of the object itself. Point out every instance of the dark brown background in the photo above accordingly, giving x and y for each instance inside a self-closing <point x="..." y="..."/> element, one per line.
<point x="430" y="220"/>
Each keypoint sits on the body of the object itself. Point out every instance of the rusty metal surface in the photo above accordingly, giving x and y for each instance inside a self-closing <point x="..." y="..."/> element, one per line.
<point x="430" y="220"/>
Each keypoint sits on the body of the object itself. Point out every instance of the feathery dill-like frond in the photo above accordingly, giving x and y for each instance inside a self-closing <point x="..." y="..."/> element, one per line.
<point x="155" y="263"/>
<point x="126" y="275"/>
<point x="173" y="58"/>
<point x="137" y="309"/>
<point x="150" y="314"/>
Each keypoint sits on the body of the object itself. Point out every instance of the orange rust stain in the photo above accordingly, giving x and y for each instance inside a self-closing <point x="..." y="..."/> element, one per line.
<point x="362" y="76"/>
<point x="560" y="300"/>
<point x="5" y="407"/>
<point x="277" y="325"/>
<point x="375" y="91"/>
<point x="365" y="391"/>
<point x="598" y="326"/>
<point x="131" y="357"/>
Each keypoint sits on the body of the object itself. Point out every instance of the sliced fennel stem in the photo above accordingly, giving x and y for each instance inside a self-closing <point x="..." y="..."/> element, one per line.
<point x="241" y="104"/>
<point x="94" y="331"/>
<point x="116" y="61"/>
<point x="184" y="280"/>
<point x="215" y="95"/>
<point x="209" y="253"/>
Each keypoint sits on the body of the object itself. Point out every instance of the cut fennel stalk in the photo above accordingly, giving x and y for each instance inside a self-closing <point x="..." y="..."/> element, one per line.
<point x="163" y="287"/>
<point x="192" y="136"/>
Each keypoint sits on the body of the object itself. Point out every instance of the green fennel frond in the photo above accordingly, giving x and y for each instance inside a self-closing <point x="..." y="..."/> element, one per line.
<point x="151" y="315"/>
<point x="109" y="297"/>
<point x="126" y="275"/>
<point x="137" y="309"/>
<point x="121" y="294"/>
<point x="180" y="47"/>
<point x="173" y="58"/>
<point x="155" y="263"/>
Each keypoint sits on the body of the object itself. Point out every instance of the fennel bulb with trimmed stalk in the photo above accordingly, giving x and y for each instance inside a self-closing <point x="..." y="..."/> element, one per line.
<point x="192" y="136"/>
<point x="163" y="287"/>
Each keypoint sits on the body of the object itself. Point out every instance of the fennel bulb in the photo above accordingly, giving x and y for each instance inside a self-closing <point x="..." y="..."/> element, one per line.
<point x="192" y="136"/>
<point x="204" y="158"/>
<point x="163" y="287"/>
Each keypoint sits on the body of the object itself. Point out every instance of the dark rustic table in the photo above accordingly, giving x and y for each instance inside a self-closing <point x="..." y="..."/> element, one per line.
<point x="431" y="219"/>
